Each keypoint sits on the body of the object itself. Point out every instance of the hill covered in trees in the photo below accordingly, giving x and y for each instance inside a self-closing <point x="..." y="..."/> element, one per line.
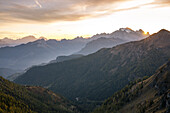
<point x="30" y="99"/>
<point x="142" y="96"/>
<point x="97" y="76"/>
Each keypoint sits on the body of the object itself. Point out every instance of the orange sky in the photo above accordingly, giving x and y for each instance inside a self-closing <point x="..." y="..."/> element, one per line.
<point x="59" y="19"/>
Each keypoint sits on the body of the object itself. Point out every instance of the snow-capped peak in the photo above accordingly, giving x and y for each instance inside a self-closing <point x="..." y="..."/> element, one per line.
<point x="128" y="30"/>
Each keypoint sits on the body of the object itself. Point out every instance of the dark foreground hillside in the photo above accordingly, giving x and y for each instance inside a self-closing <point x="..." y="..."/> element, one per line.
<point x="143" y="96"/>
<point x="97" y="76"/>
<point x="21" y="99"/>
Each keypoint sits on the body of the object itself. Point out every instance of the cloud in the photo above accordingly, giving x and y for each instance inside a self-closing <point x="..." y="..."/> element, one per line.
<point x="36" y="1"/>
<point x="13" y="35"/>
<point x="45" y="11"/>
<point x="161" y="3"/>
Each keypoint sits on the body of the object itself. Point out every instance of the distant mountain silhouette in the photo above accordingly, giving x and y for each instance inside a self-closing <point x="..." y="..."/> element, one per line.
<point x="37" y="52"/>
<point x="104" y="40"/>
<point x="94" y="45"/>
<point x="5" y="72"/>
<point x="42" y="51"/>
<point x="65" y="58"/>
<point x="10" y="42"/>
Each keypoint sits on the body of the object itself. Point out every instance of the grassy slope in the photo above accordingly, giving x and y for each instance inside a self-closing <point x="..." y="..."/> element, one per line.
<point x="16" y="98"/>
<point x="151" y="97"/>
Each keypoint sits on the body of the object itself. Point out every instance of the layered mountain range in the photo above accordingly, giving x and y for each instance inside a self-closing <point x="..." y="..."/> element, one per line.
<point x="10" y="42"/>
<point x="65" y="58"/>
<point x="42" y="51"/>
<point x="37" y="52"/>
<point x="117" y="37"/>
<point x="97" y="76"/>
<point x="125" y="73"/>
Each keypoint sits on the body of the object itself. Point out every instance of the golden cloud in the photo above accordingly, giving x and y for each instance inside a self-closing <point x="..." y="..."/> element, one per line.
<point x="45" y="11"/>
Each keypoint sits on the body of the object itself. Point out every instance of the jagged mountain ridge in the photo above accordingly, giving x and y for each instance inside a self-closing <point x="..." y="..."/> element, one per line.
<point x="104" y="40"/>
<point x="123" y="33"/>
<point x="10" y="42"/>
<point x="42" y="51"/>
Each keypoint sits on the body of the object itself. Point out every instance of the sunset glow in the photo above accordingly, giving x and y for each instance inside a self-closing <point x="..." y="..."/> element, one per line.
<point x="56" y="19"/>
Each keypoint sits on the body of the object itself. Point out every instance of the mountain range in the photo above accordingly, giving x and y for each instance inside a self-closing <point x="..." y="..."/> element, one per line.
<point x="41" y="51"/>
<point x="10" y="42"/>
<point x="117" y="37"/>
<point x="97" y="76"/>
<point x="129" y="73"/>
<point x="37" y="52"/>
<point x="5" y="72"/>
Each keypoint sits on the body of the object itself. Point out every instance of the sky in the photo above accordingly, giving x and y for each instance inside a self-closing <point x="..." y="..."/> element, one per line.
<point x="58" y="19"/>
